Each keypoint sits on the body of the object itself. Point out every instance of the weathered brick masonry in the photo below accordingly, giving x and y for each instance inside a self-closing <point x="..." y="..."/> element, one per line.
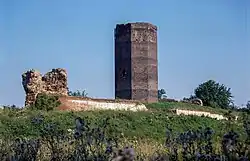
<point x="136" y="67"/>
<point x="85" y="104"/>
<point x="53" y="82"/>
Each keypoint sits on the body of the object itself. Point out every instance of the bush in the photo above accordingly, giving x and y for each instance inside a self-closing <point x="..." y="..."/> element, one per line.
<point x="46" y="102"/>
<point x="161" y="93"/>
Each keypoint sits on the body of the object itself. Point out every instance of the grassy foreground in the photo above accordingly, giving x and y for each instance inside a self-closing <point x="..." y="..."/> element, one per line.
<point x="145" y="130"/>
<point x="144" y="125"/>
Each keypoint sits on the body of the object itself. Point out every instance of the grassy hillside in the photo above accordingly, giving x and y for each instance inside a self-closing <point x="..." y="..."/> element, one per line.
<point x="146" y="131"/>
<point x="144" y="125"/>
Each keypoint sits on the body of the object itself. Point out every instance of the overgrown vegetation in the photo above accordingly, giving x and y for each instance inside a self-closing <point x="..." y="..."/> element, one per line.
<point x="97" y="135"/>
<point x="45" y="102"/>
<point x="35" y="134"/>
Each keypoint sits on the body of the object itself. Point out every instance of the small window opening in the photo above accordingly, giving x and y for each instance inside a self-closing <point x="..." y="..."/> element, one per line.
<point x="124" y="74"/>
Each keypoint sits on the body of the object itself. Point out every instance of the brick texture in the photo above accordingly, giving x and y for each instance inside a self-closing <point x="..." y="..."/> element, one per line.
<point x="136" y="67"/>
<point x="53" y="82"/>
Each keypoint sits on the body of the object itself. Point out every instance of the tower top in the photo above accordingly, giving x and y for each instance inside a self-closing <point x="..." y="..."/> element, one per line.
<point x="137" y="25"/>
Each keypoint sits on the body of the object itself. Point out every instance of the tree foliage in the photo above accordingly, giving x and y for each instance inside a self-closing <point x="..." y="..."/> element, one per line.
<point x="161" y="93"/>
<point x="214" y="94"/>
<point x="248" y="105"/>
<point x="78" y="93"/>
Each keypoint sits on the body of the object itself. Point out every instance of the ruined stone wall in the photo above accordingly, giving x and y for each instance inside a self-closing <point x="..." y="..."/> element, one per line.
<point x="85" y="104"/>
<point x="136" y="54"/>
<point x="200" y="113"/>
<point x="53" y="82"/>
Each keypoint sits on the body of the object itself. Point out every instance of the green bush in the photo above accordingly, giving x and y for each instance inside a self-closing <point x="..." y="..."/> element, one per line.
<point x="45" y="102"/>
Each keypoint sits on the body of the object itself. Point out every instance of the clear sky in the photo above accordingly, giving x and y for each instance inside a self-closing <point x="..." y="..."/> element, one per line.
<point x="198" y="40"/>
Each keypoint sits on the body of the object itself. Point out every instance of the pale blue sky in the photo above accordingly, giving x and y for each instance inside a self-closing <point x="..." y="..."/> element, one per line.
<point x="198" y="40"/>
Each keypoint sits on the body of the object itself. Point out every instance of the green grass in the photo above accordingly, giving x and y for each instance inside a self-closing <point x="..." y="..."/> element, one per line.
<point x="149" y="125"/>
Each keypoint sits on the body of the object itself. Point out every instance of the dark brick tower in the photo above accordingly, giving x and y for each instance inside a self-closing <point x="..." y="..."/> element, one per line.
<point x="136" y="67"/>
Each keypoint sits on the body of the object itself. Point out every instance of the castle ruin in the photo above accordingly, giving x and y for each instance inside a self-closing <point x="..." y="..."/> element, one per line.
<point x="136" y="66"/>
<point x="53" y="82"/>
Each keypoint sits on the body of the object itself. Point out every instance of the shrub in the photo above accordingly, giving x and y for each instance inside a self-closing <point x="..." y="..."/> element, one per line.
<point x="46" y="102"/>
<point x="161" y="93"/>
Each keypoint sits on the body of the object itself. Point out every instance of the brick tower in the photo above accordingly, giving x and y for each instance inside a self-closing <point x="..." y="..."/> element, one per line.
<point x="136" y="67"/>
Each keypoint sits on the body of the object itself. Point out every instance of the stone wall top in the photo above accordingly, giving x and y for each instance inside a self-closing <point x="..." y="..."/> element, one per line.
<point x="85" y="104"/>
<point x="101" y="99"/>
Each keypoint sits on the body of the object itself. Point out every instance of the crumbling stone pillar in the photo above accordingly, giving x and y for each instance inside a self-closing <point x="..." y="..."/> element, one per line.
<point x="53" y="82"/>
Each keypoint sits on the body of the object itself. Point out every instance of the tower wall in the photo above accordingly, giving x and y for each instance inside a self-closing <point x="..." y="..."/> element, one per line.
<point x="123" y="62"/>
<point x="136" y="52"/>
